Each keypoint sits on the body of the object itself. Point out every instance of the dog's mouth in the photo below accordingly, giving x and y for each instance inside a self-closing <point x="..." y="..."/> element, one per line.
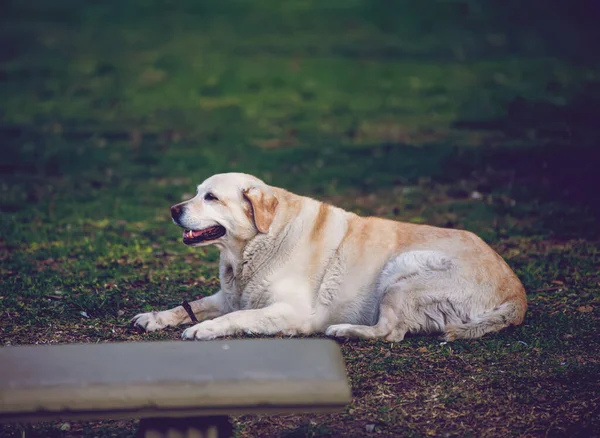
<point x="191" y="237"/>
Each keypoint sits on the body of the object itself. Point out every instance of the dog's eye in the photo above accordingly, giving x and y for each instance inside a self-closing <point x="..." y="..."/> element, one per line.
<point x="210" y="197"/>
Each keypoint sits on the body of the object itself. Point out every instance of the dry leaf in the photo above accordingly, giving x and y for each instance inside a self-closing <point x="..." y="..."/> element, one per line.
<point x="585" y="309"/>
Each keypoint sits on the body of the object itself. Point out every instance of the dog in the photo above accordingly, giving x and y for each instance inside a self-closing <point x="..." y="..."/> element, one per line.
<point x="295" y="266"/>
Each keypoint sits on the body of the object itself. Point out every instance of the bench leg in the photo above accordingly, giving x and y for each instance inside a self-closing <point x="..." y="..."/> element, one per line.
<point x="192" y="427"/>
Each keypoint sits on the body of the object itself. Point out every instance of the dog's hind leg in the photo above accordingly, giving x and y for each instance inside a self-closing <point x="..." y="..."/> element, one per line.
<point x="387" y="327"/>
<point x="410" y="284"/>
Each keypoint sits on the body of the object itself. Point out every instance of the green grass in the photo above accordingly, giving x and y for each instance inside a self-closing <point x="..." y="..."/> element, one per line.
<point x="475" y="115"/>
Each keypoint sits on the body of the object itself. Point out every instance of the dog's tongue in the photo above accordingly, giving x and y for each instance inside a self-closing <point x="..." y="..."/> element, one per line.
<point x="192" y="234"/>
<point x="210" y="233"/>
<point x="197" y="233"/>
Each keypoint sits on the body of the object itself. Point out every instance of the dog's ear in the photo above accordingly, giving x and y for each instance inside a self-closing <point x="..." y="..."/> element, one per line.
<point x="264" y="205"/>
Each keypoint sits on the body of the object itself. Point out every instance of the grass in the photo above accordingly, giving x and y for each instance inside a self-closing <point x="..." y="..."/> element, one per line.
<point x="475" y="115"/>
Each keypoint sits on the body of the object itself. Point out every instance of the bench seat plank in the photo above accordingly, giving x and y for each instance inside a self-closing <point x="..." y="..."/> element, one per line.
<point x="163" y="379"/>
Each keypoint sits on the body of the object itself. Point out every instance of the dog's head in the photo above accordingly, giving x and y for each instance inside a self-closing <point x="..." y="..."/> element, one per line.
<point x="227" y="206"/>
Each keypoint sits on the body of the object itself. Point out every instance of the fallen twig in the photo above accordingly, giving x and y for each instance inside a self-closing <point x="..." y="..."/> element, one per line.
<point x="548" y="289"/>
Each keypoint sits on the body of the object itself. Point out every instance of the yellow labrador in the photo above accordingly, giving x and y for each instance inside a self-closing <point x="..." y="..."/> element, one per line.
<point x="294" y="265"/>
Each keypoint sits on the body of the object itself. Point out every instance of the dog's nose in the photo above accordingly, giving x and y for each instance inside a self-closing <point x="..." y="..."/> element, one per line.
<point x="176" y="211"/>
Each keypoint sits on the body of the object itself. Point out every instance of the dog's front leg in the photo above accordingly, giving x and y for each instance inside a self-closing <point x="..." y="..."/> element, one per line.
<point x="205" y="308"/>
<point x="276" y="318"/>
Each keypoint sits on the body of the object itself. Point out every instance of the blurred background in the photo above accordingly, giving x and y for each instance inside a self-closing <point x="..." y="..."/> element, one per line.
<point x="468" y="114"/>
<point x="315" y="96"/>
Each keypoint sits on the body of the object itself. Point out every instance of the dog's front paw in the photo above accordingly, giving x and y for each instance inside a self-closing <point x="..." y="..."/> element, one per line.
<point x="203" y="332"/>
<point x="339" y="330"/>
<point x="150" y="321"/>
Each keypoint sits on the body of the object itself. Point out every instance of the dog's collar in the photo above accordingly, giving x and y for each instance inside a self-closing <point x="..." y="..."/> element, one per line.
<point x="188" y="309"/>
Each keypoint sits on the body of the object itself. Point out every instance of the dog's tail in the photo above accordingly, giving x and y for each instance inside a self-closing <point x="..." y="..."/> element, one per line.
<point x="508" y="313"/>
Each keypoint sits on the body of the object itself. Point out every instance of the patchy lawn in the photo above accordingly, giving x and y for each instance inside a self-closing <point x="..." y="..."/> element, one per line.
<point x="460" y="116"/>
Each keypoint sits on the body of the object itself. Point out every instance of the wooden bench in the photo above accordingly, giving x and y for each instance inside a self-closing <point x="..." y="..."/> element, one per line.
<point x="177" y="388"/>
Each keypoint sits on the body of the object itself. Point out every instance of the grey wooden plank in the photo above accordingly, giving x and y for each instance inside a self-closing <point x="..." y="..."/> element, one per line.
<point x="119" y="380"/>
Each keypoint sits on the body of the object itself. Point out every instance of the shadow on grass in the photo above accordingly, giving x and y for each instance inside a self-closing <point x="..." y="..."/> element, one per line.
<point x="547" y="153"/>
